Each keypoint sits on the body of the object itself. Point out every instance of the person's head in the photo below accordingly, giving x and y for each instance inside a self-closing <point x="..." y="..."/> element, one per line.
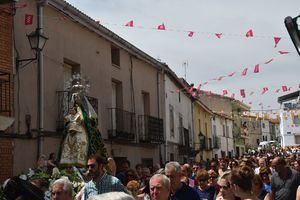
<point x="213" y="177"/>
<point x="173" y="172"/>
<point x="195" y="168"/>
<point x="146" y="174"/>
<point x="296" y="165"/>
<point x="130" y="175"/>
<point x="264" y="173"/>
<point x="214" y="166"/>
<point x="257" y="185"/>
<point x="223" y="164"/>
<point x="138" y="169"/>
<point x="202" y="178"/>
<point x="112" y="196"/>
<point x="226" y="191"/>
<point x="186" y="170"/>
<point x="262" y="162"/>
<point x="233" y="164"/>
<point x="159" y="187"/>
<point x="133" y="186"/>
<point x="95" y="166"/>
<point x="62" y="189"/>
<point x="125" y="165"/>
<point x="279" y="164"/>
<point x="241" y="178"/>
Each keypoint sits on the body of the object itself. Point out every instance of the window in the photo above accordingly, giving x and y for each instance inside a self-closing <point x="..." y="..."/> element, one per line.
<point x="296" y="120"/>
<point x="115" y="56"/>
<point x="206" y="130"/>
<point x="227" y="131"/>
<point x="214" y="130"/>
<point x="224" y="133"/>
<point x="179" y="99"/>
<point x="171" y="112"/>
<point x="146" y="103"/>
<point x="263" y="125"/>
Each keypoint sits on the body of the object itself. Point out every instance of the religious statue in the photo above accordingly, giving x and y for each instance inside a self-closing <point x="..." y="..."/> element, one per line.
<point x="81" y="136"/>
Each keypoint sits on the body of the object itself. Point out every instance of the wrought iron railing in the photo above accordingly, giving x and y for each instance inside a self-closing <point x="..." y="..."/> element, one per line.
<point x="123" y="124"/>
<point x="5" y="93"/>
<point x="151" y="129"/>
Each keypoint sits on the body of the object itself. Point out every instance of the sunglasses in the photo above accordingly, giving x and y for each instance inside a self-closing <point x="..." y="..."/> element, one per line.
<point x="91" y="166"/>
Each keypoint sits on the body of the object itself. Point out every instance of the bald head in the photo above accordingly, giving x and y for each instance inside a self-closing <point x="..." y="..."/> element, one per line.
<point x="279" y="164"/>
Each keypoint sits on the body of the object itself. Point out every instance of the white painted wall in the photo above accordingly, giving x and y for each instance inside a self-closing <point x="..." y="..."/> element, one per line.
<point x="288" y="130"/>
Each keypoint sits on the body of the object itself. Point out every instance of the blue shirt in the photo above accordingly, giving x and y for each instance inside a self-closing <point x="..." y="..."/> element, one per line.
<point x="185" y="193"/>
<point x="107" y="183"/>
<point x="208" y="193"/>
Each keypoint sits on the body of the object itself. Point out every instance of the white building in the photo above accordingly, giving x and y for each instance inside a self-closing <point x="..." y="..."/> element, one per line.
<point x="223" y="144"/>
<point x="178" y="120"/>
<point x="265" y="130"/>
<point x="290" y="119"/>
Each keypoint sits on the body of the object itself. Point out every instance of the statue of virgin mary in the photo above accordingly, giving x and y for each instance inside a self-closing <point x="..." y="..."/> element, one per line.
<point x="81" y="137"/>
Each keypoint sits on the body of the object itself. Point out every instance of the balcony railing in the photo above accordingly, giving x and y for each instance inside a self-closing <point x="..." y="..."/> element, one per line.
<point x="150" y="129"/>
<point x="63" y="99"/>
<point x="5" y="94"/>
<point x="123" y="125"/>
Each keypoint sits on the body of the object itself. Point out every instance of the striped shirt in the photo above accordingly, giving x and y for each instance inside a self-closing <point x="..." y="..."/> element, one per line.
<point x="107" y="183"/>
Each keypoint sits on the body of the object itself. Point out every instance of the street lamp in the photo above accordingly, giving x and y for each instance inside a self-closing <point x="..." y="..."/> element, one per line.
<point x="292" y="25"/>
<point x="37" y="42"/>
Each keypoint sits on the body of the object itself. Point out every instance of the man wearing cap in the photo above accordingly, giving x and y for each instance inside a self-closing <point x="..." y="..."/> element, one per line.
<point x="101" y="181"/>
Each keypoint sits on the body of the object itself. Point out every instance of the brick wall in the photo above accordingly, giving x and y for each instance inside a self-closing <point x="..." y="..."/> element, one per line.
<point x="6" y="67"/>
<point x="6" y="159"/>
<point x="6" y="59"/>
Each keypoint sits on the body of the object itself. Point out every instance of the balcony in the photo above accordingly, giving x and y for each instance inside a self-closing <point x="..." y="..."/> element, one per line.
<point x="5" y="94"/>
<point x="123" y="125"/>
<point x="151" y="129"/>
<point x="63" y="99"/>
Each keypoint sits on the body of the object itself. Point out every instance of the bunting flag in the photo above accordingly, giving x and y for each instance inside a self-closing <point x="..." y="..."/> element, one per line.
<point x="161" y="27"/>
<point x="97" y="21"/>
<point x="276" y="40"/>
<point x="218" y="35"/>
<point x="205" y="83"/>
<point x="277" y="90"/>
<point x="232" y="95"/>
<point x="191" y="33"/>
<point x="269" y="61"/>
<point x="28" y="19"/>
<point x="250" y="102"/>
<point x="220" y="78"/>
<point x="260" y="104"/>
<point x="199" y="87"/>
<point x="283" y="52"/>
<point x="231" y="74"/>
<point x="284" y="88"/>
<point x="20" y="5"/>
<point x="265" y="89"/>
<point x="129" y="24"/>
<point x="249" y="33"/>
<point x="256" y="68"/>
<point x="243" y="94"/>
<point x="251" y="93"/>
<point x="225" y="92"/>
<point x="244" y="73"/>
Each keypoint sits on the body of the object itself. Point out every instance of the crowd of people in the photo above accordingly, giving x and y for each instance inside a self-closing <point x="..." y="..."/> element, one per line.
<point x="266" y="175"/>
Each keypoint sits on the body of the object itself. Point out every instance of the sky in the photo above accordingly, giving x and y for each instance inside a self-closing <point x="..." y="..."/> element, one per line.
<point x="206" y="56"/>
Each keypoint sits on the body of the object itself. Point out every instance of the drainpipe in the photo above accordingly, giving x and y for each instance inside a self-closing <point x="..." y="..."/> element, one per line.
<point x="40" y="85"/>
<point x="158" y="108"/>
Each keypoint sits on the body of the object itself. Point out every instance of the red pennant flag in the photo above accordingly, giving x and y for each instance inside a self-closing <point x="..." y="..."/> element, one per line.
<point x="251" y="93"/>
<point x="28" y="19"/>
<point x="256" y="68"/>
<point x="283" y="52"/>
<point x="225" y="92"/>
<point x="243" y="94"/>
<point x="129" y="24"/>
<point x="191" y="33"/>
<point x="277" y="90"/>
<point x="269" y="61"/>
<point x="19" y="5"/>
<point x="205" y="83"/>
<point x="276" y="40"/>
<point x="244" y="73"/>
<point x="161" y="27"/>
<point x="250" y="102"/>
<point x="290" y="88"/>
<point x="231" y="74"/>
<point x="249" y="33"/>
<point x="220" y="78"/>
<point x="232" y="95"/>
<point x="194" y="94"/>
<point x="218" y="35"/>
<point x="265" y="89"/>
<point x="284" y="88"/>
<point x="260" y="104"/>
<point x="199" y="86"/>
